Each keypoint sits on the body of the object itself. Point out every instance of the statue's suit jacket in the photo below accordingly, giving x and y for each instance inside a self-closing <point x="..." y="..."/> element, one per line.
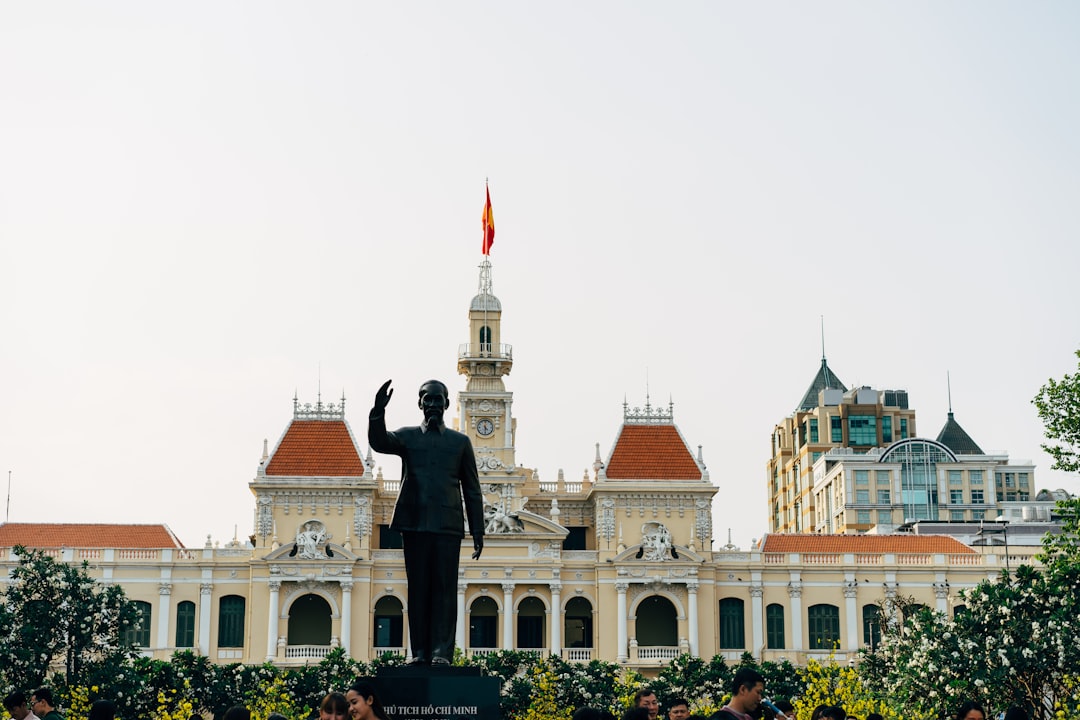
<point x="438" y="469"/>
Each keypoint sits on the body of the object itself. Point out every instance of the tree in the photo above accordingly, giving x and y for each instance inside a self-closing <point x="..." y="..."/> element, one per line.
<point x="56" y="613"/>
<point x="1058" y="403"/>
<point x="1016" y="643"/>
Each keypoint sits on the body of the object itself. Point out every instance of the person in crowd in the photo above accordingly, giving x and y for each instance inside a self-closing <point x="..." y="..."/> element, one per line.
<point x="747" y="688"/>
<point x="816" y="715"/>
<point x="788" y="709"/>
<point x="833" y="712"/>
<point x="1015" y="712"/>
<point x="874" y="716"/>
<point x="971" y="710"/>
<point x="237" y="712"/>
<point x="364" y="702"/>
<point x="43" y="705"/>
<point x="102" y="710"/>
<point x="636" y="713"/>
<point x="646" y="698"/>
<point x="15" y="704"/>
<point x="678" y="709"/>
<point x="276" y="716"/>
<point x="591" y="713"/>
<point x="333" y="707"/>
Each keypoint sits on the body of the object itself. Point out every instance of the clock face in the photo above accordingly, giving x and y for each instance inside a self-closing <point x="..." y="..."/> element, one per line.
<point x="485" y="427"/>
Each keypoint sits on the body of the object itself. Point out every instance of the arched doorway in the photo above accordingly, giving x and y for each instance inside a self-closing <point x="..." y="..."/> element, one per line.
<point x="389" y="623"/>
<point x="530" y="624"/>
<point x="483" y="623"/>
<point x="578" y="629"/>
<point x="309" y="621"/>
<point x="657" y="623"/>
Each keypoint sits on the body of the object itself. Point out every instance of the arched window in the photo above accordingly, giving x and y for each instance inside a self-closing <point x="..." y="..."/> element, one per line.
<point x="185" y="624"/>
<point x="485" y="339"/>
<point x="483" y="623"/>
<point x="774" y="626"/>
<point x="959" y="610"/>
<point x="309" y="621"/>
<point x="139" y="632"/>
<point x="657" y="622"/>
<point x="231" y="611"/>
<point x="389" y="623"/>
<point x="579" y="623"/>
<point x="871" y="626"/>
<point x="824" y="624"/>
<point x="530" y="624"/>
<point x="732" y="624"/>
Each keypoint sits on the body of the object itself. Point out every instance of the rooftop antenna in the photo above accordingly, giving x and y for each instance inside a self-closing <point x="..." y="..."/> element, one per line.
<point x="948" y="386"/>
<point x="7" y="515"/>
<point x="823" y="337"/>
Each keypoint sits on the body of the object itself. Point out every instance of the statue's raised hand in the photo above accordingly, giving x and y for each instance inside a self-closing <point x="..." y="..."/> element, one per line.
<point x="382" y="398"/>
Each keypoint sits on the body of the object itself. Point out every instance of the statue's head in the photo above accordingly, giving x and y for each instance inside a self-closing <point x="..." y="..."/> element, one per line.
<point x="434" y="400"/>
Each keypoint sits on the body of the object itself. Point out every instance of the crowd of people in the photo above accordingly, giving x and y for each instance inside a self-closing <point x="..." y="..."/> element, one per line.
<point x="748" y="702"/>
<point x="361" y="702"/>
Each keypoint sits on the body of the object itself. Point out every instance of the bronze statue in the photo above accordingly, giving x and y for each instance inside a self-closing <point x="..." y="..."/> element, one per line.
<point x="438" y="470"/>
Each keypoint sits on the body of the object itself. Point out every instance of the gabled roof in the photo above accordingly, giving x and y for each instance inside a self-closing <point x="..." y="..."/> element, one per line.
<point x="956" y="439"/>
<point x="809" y="543"/>
<point x="651" y="452"/>
<point x="824" y="379"/>
<point x="316" y="448"/>
<point x="87" y="535"/>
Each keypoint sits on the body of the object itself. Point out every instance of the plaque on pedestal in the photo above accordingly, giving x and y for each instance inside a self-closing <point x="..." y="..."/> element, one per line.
<point x="442" y="693"/>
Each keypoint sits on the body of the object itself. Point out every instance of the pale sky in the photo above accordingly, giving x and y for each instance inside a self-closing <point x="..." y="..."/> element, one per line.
<point x="206" y="207"/>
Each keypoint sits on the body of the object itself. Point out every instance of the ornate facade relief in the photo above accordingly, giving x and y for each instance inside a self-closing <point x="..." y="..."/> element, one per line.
<point x="265" y="523"/>
<point x="362" y="516"/>
<point x="311" y="540"/>
<point x="656" y="542"/>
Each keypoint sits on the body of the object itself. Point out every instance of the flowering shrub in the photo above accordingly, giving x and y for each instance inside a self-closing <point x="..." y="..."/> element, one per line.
<point x="833" y="684"/>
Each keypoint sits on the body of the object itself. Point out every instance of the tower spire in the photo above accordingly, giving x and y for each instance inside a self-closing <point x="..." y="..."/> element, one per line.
<point x="948" y="389"/>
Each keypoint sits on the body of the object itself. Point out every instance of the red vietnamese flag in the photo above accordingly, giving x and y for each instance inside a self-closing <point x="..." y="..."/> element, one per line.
<point x="488" y="224"/>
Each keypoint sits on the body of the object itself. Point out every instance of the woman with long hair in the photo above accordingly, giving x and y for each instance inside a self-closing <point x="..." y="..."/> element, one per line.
<point x="363" y="702"/>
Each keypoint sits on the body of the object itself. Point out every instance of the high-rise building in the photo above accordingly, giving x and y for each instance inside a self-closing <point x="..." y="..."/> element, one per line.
<point x="851" y="461"/>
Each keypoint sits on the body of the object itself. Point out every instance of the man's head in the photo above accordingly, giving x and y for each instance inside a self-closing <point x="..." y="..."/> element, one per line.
<point x="434" y="400"/>
<point x="15" y="703"/>
<point x="747" y="688"/>
<point x="41" y="702"/>
<point x="678" y="709"/>
<point x="646" y="698"/>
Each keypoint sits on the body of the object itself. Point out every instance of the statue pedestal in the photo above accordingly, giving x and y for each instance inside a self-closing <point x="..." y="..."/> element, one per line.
<point x="440" y="693"/>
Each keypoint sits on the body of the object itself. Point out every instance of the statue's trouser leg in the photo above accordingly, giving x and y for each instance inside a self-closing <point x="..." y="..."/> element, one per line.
<point x="431" y="564"/>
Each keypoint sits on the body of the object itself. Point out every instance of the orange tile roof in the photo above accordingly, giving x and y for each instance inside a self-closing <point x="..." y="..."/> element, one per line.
<point x="651" y="452"/>
<point x="807" y="543"/>
<point x="316" y="448"/>
<point x="87" y="535"/>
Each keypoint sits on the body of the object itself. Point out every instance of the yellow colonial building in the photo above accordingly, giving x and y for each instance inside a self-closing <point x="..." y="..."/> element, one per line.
<point x="618" y="565"/>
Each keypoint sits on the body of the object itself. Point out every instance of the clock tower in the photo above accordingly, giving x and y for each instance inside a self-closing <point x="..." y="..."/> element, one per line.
<point x="484" y="407"/>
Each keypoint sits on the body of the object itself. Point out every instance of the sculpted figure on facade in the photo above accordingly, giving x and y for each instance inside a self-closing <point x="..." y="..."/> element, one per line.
<point x="310" y="537"/>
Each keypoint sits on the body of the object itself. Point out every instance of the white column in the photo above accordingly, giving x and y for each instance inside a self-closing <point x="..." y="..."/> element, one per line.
<point x="623" y="640"/>
<point x="346" y="616"/>
<point x="757" y="619"/>
<point x="508" y="615"/>
<point x="851" y="589"/>
<point x="795" y="593"/>
<point x="206" y="591"/>
<point x="164" y="611"/>
<point x="556" y="619"/>
<point x="273" y="613"/>
<point x="459" y="635"/>
<point x="692" y="611"/>
<point x="941" y="592"/>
